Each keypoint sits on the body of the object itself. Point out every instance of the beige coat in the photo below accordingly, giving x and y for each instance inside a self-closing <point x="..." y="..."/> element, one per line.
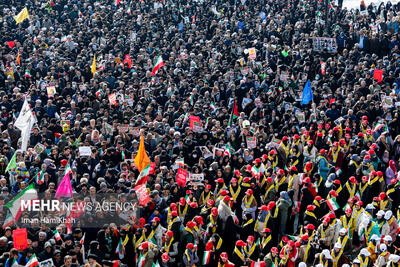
<point x="329" y="235"/>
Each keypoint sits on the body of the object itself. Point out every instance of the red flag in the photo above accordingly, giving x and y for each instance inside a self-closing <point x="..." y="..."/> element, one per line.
<point x="323" y="68"/>
<point x="181" y="176"/>
<point x="11" y="44"/>
<point x="128" y="60"/>
<point x="152" y="167"/>
<point x="332" y="100"/>
<point x="194" y="119"/>
<point x="117" y="2"/>
<point x="20" y="238"/>
<point x="235" y="111"/>
<point x="142" y="194"/>
<point x="378" y="75"/>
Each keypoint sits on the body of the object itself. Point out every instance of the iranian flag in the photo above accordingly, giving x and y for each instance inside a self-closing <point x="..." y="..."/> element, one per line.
<point x="180" y="162"/>
<point x="257" y="264"/>
<point x="64" y="38"/>
<point x="57" y="235"/>
<point x="82" y="239"/>
<point x="156" y="264"/>
<point x="212" y="106"/>
<point x="8" y="221"/>
<point x="142" y="178"/>
<point x="159" y="63"/>
<point x="206" y="257"/>
<point x="33" y="261"/>
<point x="98" y="92"/>
<point x="332" y="204"/>
<point x="255" y="171"/>
<point x="378" y="127"/>
<point x="120" y="250"/>
<point x="26" y="195"/>
<point x="141" y="261"/>
<point x="39" y="177"/>
<point x="228" y="150"/>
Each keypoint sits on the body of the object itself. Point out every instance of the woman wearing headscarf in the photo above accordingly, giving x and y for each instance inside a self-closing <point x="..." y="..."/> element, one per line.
<point x="390" y="172"/>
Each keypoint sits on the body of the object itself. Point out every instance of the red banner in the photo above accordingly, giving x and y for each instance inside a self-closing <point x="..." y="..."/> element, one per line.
<point x="113" y="99"/>
<point x="142" y="194"/>
<point x="194" y="119"/>
<point x="378" y="75"/>
<point x="181" y="177"/>
<point x="20" y="238"/>
<point x="152" y="167"/>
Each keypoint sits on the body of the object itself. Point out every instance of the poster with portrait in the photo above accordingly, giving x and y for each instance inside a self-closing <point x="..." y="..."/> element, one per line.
<point x="321" y="44"/>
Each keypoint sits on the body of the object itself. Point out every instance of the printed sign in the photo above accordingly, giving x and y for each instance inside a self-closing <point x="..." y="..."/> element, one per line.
<point x="85" y="151"/>
<point x="324" y="44"/>
<point x="51" y="91"/>
<point x="252" y="53"/>
<point x="196" y="179"/>
<point x="123" y="128"/>
<point x="251" y="142"/>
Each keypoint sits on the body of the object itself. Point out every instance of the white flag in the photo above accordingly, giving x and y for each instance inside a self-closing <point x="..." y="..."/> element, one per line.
<point x="24" y="117"/>
<point x="26" y="133"/>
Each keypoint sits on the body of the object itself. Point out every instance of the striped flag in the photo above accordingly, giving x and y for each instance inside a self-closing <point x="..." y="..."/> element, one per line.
<point x="33" y="261"/>
<point x="332" y="204"/>
<point x="57" y="235"/>
<point x="159" y="63"/>
<point x="15" y="205"/>
<point x="82" y="241"/>
<point x="39" y="177"/>
<point x="120" y="250"/>
<point x="8" y="221"/>
<point x="180" y="162"/>
<point x="206" y="257"/>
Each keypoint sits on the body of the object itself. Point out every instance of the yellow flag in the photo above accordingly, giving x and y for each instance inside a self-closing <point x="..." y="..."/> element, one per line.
<point x="141" y="159"/>
<point x="94" y="65"/>
<point x="22" y="15"/>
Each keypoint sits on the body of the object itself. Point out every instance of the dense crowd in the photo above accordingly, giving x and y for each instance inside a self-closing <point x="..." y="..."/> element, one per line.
<point x="273" y="176"/>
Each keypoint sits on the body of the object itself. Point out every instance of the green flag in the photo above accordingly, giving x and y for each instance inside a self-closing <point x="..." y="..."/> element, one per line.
<point x="285" y="53"/>
<point x="13" y="162"/>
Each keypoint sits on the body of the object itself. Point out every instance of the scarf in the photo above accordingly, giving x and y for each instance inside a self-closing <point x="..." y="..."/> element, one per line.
<point x="170" y="223"/>
<point x="248" y="222"/>
<point x="184" y="212"/>
<point x="167" y="246"/>
<point x="203" y="198"/>
<point x="308" y="246"/>
<point x="233" y="193"/>
<point x="311" y="214"/>
<point x="248" y="201"/>
<point x="265" y="241"/>
<point x="267" y="192"/>
<point x="335" y="155"/>
<point x="285" y="148"/>
<point x="351" y="188"/>
<point x="187" y="255"/>
<point x="239" y="253"/>
<point x="249" y="251"/>
<point x="274" y="162"/>
<point x="280" y="182"/>
<point x="363" y="263"/>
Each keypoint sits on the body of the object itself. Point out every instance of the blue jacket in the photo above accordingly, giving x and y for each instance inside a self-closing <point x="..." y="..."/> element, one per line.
<point x="323" y="168"/>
